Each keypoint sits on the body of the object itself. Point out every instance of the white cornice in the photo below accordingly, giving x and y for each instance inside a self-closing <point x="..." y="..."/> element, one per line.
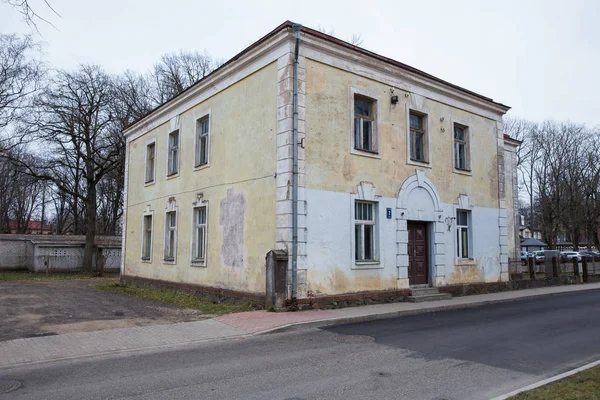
<point x="248" y="63"/>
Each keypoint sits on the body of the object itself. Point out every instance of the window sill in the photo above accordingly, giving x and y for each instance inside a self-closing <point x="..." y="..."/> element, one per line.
<point x="365" y="153"/>
<point x="202" y="166"/>
<point x="169" y="261"/>
<point x="423" y="164"/>
<point x="198" y="264"/>
<point x="367" y="265"/>
<point x="459" y="171"/>
<point x="146" y="260"/>
<point x="172" y="176"/>
<point x="146" y="184"/>
<point x="465" y="261"/>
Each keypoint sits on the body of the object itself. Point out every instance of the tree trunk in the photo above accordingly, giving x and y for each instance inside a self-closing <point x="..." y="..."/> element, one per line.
<point x="90" y="230"/>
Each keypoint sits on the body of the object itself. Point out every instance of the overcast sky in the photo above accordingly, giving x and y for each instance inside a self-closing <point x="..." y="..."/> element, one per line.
<point x="542" y="58"/>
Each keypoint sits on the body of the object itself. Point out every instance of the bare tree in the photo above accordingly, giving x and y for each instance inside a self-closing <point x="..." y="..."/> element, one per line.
<point x="29" y="14"/>
<point x="20" y="76"/>
<point x="74" y="125"/>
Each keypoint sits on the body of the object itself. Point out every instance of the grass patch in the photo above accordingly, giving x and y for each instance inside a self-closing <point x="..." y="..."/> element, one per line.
<point x="584" y="385"/>
<point x="181" y="300"/>
<point x="21" y="276"/>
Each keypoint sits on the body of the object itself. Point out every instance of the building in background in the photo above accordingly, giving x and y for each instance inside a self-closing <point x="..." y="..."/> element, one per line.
<point x="404" y="179"/>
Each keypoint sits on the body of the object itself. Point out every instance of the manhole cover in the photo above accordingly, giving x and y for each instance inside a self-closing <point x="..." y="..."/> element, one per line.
<point x="353" y="339"/>
<point x="9" y="385"/>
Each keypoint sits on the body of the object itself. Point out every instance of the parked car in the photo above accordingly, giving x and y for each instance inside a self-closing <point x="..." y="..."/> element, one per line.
<point x="524" y="256"/>
<point x="566" y="256"/>
<point x="540" y="256"/>
<point x="590" y="255"/>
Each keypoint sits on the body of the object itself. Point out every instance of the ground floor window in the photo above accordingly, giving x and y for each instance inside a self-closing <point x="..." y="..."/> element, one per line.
<point x="462" y="233"/>
<point x="365" y="223"/>
<point x="147" y="238"/>
<point x="170" y="235"/>
<point x="199" y="239"/>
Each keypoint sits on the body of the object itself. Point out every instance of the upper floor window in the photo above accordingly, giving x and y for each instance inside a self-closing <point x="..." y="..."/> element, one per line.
<point x="418" y="137"/>
<point x="461" y="147"/>
<point x="364" y="124"/>
<point x="173" y="161"/>
<point x="462" y="233"/>
<point x="365" y="221"/>
<point x="202" y="143"/>
<point x="150" y="162"/>
<point x="170" y="235"/>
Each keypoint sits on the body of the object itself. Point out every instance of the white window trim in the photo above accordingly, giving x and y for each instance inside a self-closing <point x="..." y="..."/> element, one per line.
<point x="460" y="260"/>
<point x="178" y="129"/>
<point x="200" y="202"/>
<point x="379" y="217"/>
<point x="376" y="121"/>
<point x="469" y="170"/>
<point x="145" y="214"/>
<point x="171" y="207"/>
<point x="206" y="113"/>
<point x="428" y="155"/>
<point x="148" y="143"/>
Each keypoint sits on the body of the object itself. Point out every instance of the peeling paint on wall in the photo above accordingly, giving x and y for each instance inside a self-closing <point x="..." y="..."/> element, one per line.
<point x="232" y="218"/>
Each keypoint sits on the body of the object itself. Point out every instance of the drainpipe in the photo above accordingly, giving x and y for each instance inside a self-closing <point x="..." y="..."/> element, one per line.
<point x="296" y="28"/>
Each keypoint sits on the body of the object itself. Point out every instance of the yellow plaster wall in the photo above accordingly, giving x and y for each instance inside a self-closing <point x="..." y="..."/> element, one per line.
<point x="331" y="166"/>
<point x="242" y="161"/>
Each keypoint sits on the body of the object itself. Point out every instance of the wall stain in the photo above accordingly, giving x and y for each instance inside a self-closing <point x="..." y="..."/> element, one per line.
<point x="232" y="219"/>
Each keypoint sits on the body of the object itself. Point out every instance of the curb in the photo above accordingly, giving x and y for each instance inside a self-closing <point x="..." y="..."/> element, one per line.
<point x="547" y="381"/>
<point x="343" y="320"/>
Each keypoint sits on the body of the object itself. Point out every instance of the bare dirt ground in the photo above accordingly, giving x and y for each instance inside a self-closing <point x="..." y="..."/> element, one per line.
<point x="29" y="309"/>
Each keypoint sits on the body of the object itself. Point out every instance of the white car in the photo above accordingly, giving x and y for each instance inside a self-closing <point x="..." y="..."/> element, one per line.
<point x="570" y="255"/>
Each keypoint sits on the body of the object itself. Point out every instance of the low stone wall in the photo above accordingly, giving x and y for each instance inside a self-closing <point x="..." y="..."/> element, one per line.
<point x="210" y="293"/>
<point x="496" y="287"/>
<point x="351" y="300"/>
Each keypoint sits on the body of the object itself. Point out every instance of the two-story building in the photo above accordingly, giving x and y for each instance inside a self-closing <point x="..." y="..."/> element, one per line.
<point x="403" y="179"/>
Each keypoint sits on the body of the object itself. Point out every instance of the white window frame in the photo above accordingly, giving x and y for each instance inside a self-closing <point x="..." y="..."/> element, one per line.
<point x="458" y="233"/>
<point x="150" y="214"/>
<point x="375" y="222"/>
<point x="194" y="261"/>
<point x="428" y="163"/>
<point x="467" y="129"/>
<point x="171" y="208"/>
<point x="375" y="98"/>
<point x="150" y="182"/>
<point x="169" y="150"/>
<point x="206" y="114"/>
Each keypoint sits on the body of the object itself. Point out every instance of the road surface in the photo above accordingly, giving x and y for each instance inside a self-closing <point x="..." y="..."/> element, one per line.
<point x="476" y="353"/>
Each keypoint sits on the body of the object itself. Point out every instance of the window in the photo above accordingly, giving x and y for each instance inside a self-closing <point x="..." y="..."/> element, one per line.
<point x="526" y="234"/>
<point x="199" y="240"/>
<point x="418" y="137"/>
<point x="461" y="153"/>
<point x="173" y="161"/>
<point x="462" y="233"/>
<point x="364" y="138"/>
<point x="147" y="238"/>
<point x="170" y="235"/>
<point x="202" y="132"/>
<point x="364" y="231"/>
<point x="150" y="162"/>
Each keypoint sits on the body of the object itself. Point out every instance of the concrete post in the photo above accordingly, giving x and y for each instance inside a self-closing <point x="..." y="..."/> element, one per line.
<point x="575" y="267"/>
<point x="584" y="267"/>
<point x="531" y="262"/>
<point x="555" y="267"/>
<point x="276" y="279"/>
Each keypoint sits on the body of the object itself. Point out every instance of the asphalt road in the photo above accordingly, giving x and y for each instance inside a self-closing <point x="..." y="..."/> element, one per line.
<point x="474" y="353"/>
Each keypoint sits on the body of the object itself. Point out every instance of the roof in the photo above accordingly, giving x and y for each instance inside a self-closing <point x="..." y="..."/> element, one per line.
<point x="31" y="226"/>
<point x="533" y="243"/>
<point x="287" y="25"/>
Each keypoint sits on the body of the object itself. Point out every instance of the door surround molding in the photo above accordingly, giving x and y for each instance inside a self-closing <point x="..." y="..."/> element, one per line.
<point x="418" y="200"/>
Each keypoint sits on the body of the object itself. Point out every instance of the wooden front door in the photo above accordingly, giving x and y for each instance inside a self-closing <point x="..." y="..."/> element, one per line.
<point x="418" y="266"/>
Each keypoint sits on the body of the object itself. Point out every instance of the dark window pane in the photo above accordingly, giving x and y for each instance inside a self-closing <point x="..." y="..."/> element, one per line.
<point x="462" y="158"/>
<point x="363" y="107"/>
<point x="419" y="147"/>
<point x="368" y="242"/>
<point x="459" y="133"/>
<point x="465" y="243"/>
<point x="416" y="122"/>
<point x="357" y="242"/>
<point x="367" y="143"/>
<point x="357" y="132"/>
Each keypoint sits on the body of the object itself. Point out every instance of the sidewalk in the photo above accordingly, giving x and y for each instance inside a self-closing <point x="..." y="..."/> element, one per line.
<point x="76" y="345"/>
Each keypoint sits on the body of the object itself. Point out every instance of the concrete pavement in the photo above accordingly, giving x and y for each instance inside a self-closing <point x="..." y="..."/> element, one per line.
<point x="26" y="351"/>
